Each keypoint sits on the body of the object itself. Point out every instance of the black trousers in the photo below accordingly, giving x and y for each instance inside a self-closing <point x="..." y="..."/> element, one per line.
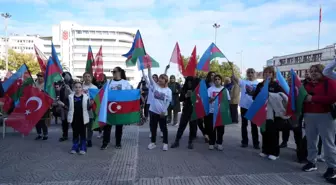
<point x="65" y="128"/>
<point x="184" y="120"/>
<point x="215" y="134"/>
<point x="41" y="126"/>
<point x="234" y="112"/>
<point x="156" y="120"/>
<point x="270" y="138"/>
<point x="78" y="132"/>
<point x="146" y="109"/>
<point x="107" y="134"/>
<point x="200" y="125"/>
<point x="254" y="130"/>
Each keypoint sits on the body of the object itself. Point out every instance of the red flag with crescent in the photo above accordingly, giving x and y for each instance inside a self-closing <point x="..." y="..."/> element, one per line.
<point x="33" y="105"/>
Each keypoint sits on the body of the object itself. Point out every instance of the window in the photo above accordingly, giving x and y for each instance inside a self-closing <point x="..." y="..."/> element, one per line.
<point x="92" y="32"/>
<point x="79" y="32"/>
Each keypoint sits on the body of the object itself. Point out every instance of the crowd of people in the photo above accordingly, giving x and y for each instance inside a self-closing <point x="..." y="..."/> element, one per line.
<point x="161" y="99"/>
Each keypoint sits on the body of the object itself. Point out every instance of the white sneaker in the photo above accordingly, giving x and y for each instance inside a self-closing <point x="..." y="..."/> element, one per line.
<point x="100" y="136"/>
<point x="220" y="147"/>
<point x="320" y="158"/>
<point x="151" y="146"/>
<point x="165" y="147"/>
<point x="211" y="147"/>
<point x="272" y="157"/>
<point x="82" y="152"/>
<point x="73" y="152"/>
<point x="262" y="155"/>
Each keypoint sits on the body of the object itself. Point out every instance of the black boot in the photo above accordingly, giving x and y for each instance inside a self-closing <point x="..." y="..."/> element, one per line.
<point x="190" y="146"/>
<point x="176" y="144"/>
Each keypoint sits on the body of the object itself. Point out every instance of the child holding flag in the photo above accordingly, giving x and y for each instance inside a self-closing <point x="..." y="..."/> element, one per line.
<point x="218" y="131"/>
<point x="162" y="96"/>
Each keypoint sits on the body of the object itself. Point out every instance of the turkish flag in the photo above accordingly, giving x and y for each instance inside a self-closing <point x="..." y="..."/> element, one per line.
<point x="33" y="105"/>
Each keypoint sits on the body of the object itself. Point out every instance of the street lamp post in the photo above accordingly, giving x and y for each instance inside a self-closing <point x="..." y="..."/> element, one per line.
<point x="216" y="26"/>
<point x="6" y="16"/>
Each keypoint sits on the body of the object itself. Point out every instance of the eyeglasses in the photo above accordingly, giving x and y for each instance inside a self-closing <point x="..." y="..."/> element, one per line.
<point x="250" y="72"/>
<point x="115" y="71"/>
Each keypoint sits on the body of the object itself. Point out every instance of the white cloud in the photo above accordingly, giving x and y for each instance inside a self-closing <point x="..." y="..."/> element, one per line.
<point x="261" y="31"/>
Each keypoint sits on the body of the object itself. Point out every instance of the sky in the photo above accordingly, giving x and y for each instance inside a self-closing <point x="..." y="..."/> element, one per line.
<point x="252" y="30"/>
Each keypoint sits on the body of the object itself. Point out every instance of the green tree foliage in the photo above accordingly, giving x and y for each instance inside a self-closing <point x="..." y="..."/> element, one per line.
<point x="222" y="68"/>
<point x="15" y="60"/>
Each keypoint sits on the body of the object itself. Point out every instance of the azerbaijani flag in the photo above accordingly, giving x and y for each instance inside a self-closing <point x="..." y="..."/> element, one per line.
<point x="209" y="54"/>
<point x="200" y="101"/>
<point x="257" y="112"/>
<point x="146" y="61"/>
<point x="55" y="57"/>
<point x="123" y="107"/>
<point x="282" y="81"/>
<point x="222" y="114"/>
<point x="296" y="96"/>
<point x="52" y="75"/>
<point x="14" y="85"/>
<point x="137" y="50"/>
<point x="100" y="98"/>
<point x="89" y="62"/>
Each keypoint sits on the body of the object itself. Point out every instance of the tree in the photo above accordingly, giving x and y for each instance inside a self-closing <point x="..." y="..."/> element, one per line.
<point x="15" y="60"/>
<point x="223" y="68"/>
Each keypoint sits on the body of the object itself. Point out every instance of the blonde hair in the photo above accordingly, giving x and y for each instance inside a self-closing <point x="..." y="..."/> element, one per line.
<point x="319" y="68"/>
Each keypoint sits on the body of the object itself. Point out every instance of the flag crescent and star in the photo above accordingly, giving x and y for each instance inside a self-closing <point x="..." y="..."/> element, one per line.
<point x="111" y="109"/>
<point x="34" y="98"/>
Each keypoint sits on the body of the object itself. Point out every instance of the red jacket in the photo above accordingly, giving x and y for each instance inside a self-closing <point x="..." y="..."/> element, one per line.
<point x="321" y="100"/>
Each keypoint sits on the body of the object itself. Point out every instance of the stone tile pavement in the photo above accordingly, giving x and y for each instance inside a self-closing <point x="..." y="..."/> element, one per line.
<point x="24" y="161"/>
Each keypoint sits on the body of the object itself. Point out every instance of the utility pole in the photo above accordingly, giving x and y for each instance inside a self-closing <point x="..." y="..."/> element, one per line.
<point x="216" y="26"/>
<point x="6" y="16"/>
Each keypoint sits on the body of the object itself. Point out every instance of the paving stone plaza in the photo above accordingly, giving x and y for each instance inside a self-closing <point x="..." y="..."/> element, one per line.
<point x="24" y="161"/>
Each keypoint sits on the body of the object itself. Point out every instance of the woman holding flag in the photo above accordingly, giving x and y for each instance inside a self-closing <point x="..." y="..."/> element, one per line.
<point x="270" y="136"/>
<point x="118" y="82"/>
<point x="87" y="77"/>
<point x="185" y="97"/>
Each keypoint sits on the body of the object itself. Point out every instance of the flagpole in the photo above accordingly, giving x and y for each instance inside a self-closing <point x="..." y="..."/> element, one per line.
<point x="319" y="29"/>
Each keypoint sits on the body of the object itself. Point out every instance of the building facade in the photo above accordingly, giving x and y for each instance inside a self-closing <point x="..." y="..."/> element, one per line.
<point x="71" y="42"/>
<point x="300" y="62"/>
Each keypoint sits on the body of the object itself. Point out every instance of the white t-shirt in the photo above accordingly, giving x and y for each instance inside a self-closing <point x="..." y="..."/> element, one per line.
<point x="212" y="92"/>
<point x="150" y="94"/>
<point x="161" y="98"/>
<point x="120" y="85"/>
<point x="245" y="99"/>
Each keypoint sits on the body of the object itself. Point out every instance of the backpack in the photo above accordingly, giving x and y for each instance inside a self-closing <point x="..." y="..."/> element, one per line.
<point x="333" y="106"/>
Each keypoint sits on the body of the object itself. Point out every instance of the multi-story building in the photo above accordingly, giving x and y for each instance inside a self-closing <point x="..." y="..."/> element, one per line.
<point x="300" y="62"/>
<point x="72" y="41"/>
